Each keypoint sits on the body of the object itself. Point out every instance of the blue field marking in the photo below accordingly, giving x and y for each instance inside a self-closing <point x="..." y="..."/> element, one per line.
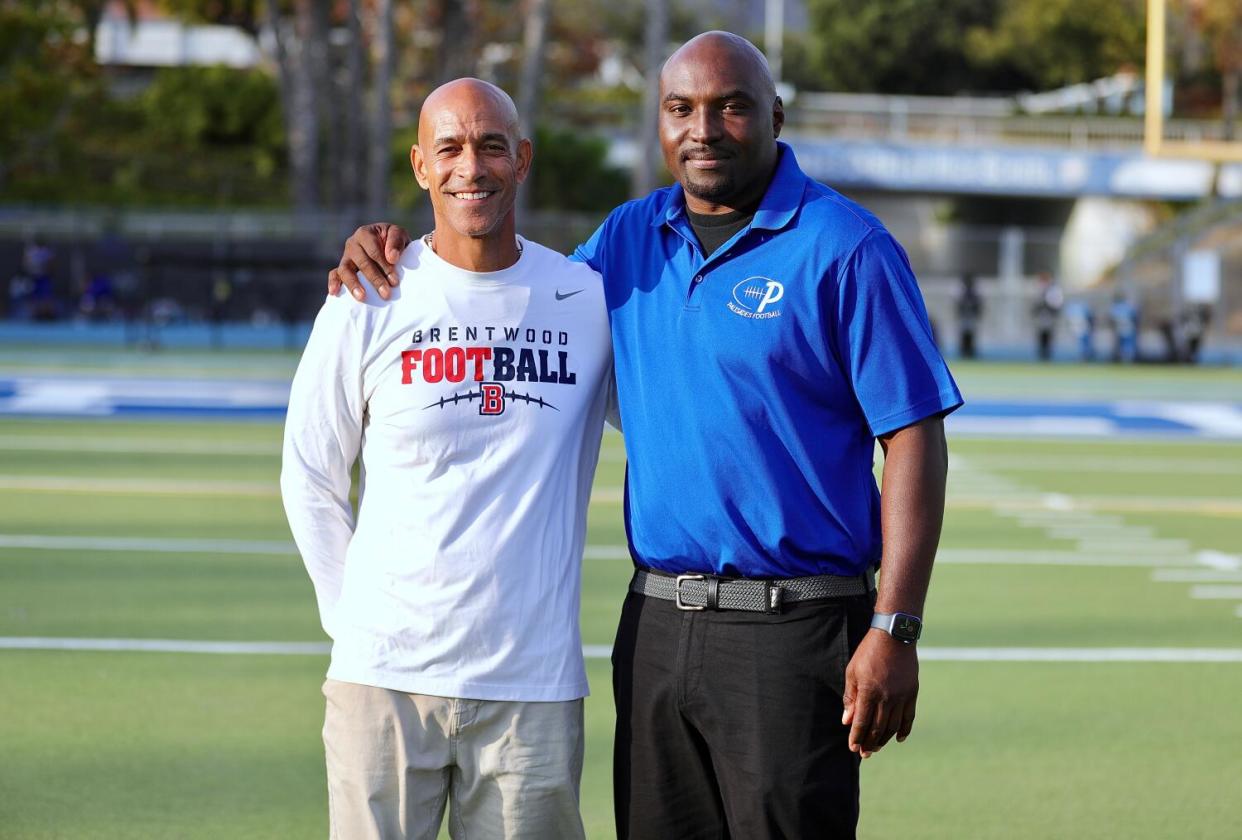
<point x="205" y="399"/>
<point x="1136" y="418"/>
<point x="80" y="396"/>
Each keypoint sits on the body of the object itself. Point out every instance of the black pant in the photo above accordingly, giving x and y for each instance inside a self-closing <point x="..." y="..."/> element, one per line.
<point x="729" y="723"/>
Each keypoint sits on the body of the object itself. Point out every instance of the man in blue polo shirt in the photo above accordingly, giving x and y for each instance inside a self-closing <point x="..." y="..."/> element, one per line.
<point x="767" y="332"/>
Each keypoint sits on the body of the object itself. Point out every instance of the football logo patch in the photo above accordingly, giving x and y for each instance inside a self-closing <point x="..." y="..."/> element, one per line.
<point x="756" y="297"/>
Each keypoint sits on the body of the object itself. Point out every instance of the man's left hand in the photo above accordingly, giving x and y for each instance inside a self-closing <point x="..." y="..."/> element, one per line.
<point x="881" y="689"/>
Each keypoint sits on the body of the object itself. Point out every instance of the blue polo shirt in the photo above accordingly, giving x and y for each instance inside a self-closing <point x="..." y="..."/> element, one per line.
<point x="752" y="384"/>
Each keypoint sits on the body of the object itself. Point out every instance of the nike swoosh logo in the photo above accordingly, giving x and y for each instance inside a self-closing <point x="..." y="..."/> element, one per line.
<point x="562" y="296"/>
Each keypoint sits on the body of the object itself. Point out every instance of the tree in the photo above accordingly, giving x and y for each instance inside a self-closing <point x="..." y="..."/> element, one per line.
<point x="1043" y="44"/>
<point x="1220" y="21"/>
<point x="45" y="77"/>
<point x="897" y="46"/>
<point x="534" y="49"/>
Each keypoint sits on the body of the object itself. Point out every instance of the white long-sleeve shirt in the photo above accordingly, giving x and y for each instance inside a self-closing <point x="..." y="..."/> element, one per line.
<point x="476" y="401"/>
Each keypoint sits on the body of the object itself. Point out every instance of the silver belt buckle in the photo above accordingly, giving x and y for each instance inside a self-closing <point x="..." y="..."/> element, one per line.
<point x="682" y="605"/>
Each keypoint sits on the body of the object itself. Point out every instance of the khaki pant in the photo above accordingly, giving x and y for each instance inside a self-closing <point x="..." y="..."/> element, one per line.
<point x="506" y="769"/>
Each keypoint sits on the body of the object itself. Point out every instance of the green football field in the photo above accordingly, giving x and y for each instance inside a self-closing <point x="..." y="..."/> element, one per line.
<point x="1082" y="662"/>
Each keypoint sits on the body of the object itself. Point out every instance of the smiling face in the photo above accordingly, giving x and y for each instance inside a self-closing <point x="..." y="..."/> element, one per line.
<point x="719" y="120"/>
<point x="471" y="160"/>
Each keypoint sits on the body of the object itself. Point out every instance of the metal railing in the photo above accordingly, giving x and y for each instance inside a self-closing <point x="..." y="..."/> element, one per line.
<point x="973" y="121"/>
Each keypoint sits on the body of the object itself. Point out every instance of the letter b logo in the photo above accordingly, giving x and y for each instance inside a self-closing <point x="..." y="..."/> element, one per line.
<point x="493" y="398"/>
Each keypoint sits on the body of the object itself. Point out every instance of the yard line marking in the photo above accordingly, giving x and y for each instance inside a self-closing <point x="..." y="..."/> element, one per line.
<point x="1023" y="557"/>
<point x="1047" y="518"/>
<point x="164" y="645"/>
<point x="1119" y="464"/>
<point x="1195" y="576"/>
<point x="187" y="487"/>
<point x="1216" y="593"/>
<point x="1121" y="546"/>
<point x="1219" y="560"/>
<point x="138" y="446"/>
<point x="1177" y="655"/>
<point x="181" y="545"/>
<point x="929" y="654"/>
<point x="138" y="486"/>
<point x="603" y="552"/>
<point x="1118" y="504"/>
<point x="1101" y="528"/>
<point x="166" y="545"/>
<point x="1016" y="505"/>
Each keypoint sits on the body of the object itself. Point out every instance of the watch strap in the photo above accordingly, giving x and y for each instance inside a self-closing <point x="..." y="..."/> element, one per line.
<point x="903" y="627"/>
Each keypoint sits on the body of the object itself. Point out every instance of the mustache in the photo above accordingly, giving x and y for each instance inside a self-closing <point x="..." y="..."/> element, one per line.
<point x="705" y="153"/>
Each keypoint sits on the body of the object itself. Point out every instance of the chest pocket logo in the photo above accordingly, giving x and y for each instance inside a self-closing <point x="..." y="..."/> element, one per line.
<point x="756" y="297"/>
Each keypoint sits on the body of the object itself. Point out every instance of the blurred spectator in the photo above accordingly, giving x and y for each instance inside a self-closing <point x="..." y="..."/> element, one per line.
<point x="1081" y="319"/>
<point x="111" y="276"/>
<point x="98" y="300"/>
<point x="33" y="296"/>
<point x="1045" y="313"/>
<point x="969" y="313"/>
<point x="1123" y="317"/>
<point x="1195" y="318"/>
<point x="20" y="287"/>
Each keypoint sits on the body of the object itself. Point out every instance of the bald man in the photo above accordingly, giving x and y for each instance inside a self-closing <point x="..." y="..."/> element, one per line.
<point x="767" y="333"/>
<point x="474" y="401"/>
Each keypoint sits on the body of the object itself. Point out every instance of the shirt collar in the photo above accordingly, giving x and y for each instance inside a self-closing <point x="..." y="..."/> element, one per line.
<point x="779" y="205"/>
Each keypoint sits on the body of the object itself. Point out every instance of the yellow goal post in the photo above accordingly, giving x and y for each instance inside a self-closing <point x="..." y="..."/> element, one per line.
<point x="1156" y="144"/>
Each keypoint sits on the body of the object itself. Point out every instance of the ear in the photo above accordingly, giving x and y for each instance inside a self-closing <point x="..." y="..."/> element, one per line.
<point x="419" y="165"/>
<point x="525" y="154"/>
<point x="778" y="117"/>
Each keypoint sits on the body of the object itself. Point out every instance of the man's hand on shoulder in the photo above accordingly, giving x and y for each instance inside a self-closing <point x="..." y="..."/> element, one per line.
<point x="372" y="251"/>
<point x="881" y="689"/>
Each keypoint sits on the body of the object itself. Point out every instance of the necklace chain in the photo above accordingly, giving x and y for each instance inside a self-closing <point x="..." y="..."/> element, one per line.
<point x="430" y="241"/>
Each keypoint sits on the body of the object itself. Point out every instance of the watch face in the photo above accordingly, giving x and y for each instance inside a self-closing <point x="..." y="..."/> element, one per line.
<point x="906" y="627"/>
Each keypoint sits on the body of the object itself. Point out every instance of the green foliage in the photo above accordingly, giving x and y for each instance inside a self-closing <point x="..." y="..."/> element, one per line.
<point x="570" y="173"/>
<point x="1049" y="43"/>
<point x="920" y="47"/>
<point x="216" y="108"/>
<point x="45" y="75"/>
<point x="404" y="191"/>
<point x="896" y="46"/>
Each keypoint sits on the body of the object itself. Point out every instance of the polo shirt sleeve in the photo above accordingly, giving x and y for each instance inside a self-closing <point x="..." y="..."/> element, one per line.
<point x="884" y="340"/>
<point x="591" y="252"/>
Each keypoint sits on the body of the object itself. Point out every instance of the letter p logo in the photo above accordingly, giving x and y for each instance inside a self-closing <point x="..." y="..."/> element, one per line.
<point x="493" y="398"/>
<point x="774" y="292"/>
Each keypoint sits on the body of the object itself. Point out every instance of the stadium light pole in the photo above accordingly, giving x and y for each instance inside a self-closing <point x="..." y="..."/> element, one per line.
<point x="774" y="36"/>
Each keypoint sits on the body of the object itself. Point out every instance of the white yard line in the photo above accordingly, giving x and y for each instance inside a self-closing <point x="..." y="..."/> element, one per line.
<point x="1004" y="501"/>
<point x="138" y="486"/>
<point x="1126" y="546"/>
<point x="163" y="645"/>
<point x="1106" y="540"/>
<point x="967" y="556"/>
<point x="1195" y="576"/>
<point x="928" y="654"/>
<point x="1115" y="464"/>
<point x="1001" y="654"/>
<point x="167" y="545"/>
<point x="135" y="446"/>
<point x="1052" y="557"/>
<point x="1216" y="593"/>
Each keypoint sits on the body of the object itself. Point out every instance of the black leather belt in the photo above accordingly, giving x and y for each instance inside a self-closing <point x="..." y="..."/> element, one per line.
<point x="708" y="592"/>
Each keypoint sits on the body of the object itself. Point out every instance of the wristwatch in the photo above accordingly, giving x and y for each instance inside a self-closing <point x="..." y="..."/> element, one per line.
<point x="903" y="627"/>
